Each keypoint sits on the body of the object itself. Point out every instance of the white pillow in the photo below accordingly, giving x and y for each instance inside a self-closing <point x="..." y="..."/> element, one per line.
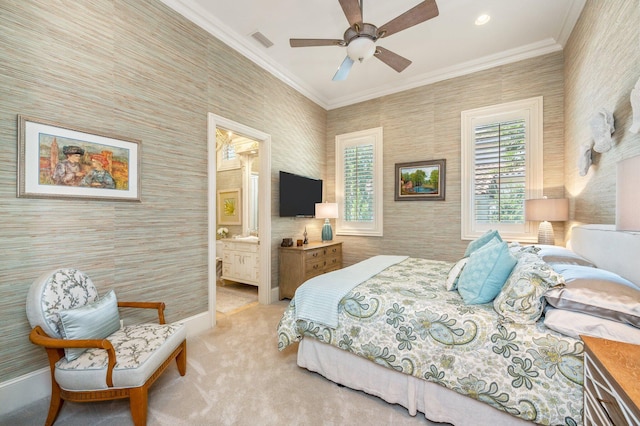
<point x="557" y="254"/>
<point x="574" y="324"/>
<point x="596" y="292"/>
<point x="454" y="274"/>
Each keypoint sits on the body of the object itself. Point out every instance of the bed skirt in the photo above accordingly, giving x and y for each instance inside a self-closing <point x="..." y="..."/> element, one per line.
<point x="438" y="403"/>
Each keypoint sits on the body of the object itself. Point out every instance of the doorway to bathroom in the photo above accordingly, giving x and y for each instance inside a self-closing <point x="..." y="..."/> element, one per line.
<point x="239" y="214"/>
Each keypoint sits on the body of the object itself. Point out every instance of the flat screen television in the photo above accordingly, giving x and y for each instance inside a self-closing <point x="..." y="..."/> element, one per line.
<point x="299" y="195"/>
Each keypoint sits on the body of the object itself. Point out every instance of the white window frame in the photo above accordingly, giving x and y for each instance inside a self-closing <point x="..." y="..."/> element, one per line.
<point x="364" y="137"/>
<point x="531" y="110"/>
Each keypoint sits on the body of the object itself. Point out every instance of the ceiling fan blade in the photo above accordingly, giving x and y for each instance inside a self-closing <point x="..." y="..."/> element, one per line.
<point x="352" y="11"/>
<point x="394" y="60"/>
<point x="422" y="12"/>
<point x="344" y="69"/>
<point x="306" y="42"/>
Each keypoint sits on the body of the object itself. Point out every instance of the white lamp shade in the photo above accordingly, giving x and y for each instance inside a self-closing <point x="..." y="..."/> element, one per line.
<point x="326" y="210"/>
<point x="628" y="195"/>
<point x="549" y="209"/>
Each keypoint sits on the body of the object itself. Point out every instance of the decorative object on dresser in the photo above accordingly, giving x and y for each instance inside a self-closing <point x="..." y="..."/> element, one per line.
<point x="241" y="260"/>
<point x="612" y="382"/>
<point x="546" y="210"/>
<point x="298" y="264"/>
<point x="327" y="211"/>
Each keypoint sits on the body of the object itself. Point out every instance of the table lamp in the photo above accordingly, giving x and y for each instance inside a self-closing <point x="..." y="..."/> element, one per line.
<point x="546" y="210"/>
<point x="327" y="211"/>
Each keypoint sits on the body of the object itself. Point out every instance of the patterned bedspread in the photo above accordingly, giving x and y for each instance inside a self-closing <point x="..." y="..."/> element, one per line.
<point x="404" y="319"/>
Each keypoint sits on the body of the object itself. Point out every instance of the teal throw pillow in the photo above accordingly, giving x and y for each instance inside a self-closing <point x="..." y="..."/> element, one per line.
<point x="485" y="273"/>
<point x="93" y="321"/>
<point x="482" y="241"/>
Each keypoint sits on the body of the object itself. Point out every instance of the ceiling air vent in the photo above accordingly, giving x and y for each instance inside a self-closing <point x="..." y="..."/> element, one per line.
<point x="262" y="39"/>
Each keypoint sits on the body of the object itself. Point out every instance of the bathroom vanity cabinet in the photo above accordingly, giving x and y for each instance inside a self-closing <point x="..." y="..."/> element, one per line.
<point x="241" y="261"/>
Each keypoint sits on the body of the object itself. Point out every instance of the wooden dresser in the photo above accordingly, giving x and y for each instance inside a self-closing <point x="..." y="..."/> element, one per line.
<point x="611" y="382"/>
<point x="298" y="264"/>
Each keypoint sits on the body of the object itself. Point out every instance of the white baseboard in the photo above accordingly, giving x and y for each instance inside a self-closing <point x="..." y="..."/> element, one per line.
<point x="24" y="390"/>
<point x="275" y="294"/>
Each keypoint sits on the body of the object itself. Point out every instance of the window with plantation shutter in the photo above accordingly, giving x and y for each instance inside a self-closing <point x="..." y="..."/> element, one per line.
<point x="499" y="167"/>
<point x="359" y="183"/>
<point x="502" y="166"/>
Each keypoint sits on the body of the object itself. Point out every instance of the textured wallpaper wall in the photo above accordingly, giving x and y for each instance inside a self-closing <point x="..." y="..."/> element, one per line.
<point x="602" y="64"/>
<point x="424" y="124"/>
<point x="137" y="69"/>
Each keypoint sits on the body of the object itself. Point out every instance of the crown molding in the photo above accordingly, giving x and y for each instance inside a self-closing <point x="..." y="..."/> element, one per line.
<point x="575" y="9"/>
<point x="509" y="56"/>
<point x="218" y="29"/>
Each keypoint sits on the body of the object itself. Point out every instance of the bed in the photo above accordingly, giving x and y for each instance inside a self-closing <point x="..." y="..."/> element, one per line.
<point x="405" y="337"/>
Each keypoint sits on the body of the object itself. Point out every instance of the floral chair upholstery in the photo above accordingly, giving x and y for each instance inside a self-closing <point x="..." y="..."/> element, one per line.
<point x="123" y="364"/>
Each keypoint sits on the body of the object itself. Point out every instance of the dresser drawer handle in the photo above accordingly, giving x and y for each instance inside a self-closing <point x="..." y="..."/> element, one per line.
<point x="316" y="266"/>
<point x="315" y="254"/>
<point x="334" y="250"/>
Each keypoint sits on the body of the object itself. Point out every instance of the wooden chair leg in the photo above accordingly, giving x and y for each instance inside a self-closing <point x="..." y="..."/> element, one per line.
<point x="181" y="359"/>
<point x="138" y="405"/>
<point x="55" y="405"/>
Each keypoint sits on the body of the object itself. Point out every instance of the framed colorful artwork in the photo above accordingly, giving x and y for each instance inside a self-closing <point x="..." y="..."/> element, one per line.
<point x="420" y="181"/>
<point x="229" y="212"/>
<point x="57" y="161"/>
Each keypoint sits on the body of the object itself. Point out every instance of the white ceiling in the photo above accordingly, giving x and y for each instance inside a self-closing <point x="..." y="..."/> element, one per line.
<point x="446" y="46"/>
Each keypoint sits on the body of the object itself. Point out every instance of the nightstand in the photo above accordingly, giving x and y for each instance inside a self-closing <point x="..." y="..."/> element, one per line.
<point x="611" y="382"/>
<point x="298" y="264"/>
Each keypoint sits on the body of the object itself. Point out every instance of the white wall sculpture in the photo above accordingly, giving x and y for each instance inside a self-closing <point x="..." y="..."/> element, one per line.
<point x="601" y="130"/>
<point x="584" y="158"/>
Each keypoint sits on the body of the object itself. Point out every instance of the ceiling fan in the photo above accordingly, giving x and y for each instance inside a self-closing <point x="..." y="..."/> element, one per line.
<point x="360" y="38"/>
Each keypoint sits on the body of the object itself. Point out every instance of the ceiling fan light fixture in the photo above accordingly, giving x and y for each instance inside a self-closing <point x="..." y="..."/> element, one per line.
<point x="361" y="48"/>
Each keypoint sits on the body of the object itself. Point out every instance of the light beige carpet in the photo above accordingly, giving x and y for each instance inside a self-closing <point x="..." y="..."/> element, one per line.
<point x="236" y="376"/>
<point x="234" y="296"/>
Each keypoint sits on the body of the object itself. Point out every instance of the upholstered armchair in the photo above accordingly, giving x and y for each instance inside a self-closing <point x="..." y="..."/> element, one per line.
<point x="91" y="356"/>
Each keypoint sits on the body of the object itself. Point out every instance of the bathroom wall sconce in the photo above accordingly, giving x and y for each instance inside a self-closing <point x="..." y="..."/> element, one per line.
<point x="546" y="210"/>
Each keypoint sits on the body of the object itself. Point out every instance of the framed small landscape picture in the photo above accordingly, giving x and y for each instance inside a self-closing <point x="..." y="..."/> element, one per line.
<point x="420" y="181"/>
